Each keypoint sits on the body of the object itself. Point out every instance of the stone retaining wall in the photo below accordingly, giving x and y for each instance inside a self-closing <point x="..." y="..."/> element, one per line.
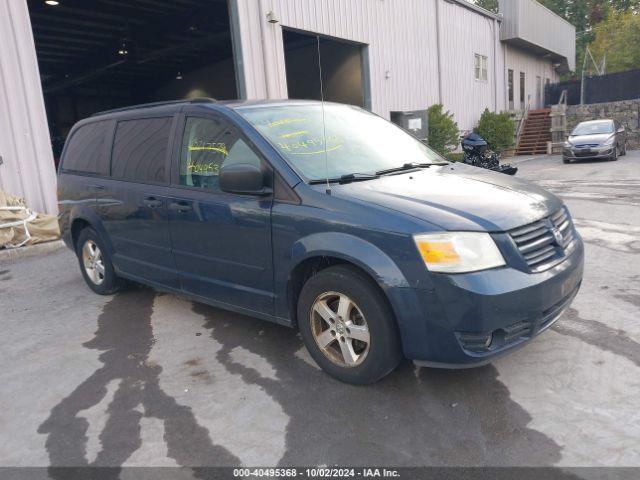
<point x="626" y="112"/>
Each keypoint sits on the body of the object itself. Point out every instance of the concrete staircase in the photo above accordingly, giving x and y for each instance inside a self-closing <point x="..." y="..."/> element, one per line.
<point x="535" y="133"/>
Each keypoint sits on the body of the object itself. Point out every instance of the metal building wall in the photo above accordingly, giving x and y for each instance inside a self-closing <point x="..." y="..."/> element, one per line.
<point x="401" y="36"/>
<point x="403" y="46"/>
<point x="463" y="34"/>
<point x="28" y="169"/>
<point x="521" y="61"/>
<point x="532" y="22"/>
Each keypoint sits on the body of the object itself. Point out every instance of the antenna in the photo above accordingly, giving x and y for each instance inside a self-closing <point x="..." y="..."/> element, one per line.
<point x="324" y="125"/>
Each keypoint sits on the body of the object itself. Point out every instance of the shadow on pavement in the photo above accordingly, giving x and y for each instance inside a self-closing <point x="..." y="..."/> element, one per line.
<point x="413" y="417"/>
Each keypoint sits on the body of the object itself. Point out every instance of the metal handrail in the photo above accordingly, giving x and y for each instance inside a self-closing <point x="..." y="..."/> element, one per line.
<point x="522" y="122"/>
<point x="563" y="98"/>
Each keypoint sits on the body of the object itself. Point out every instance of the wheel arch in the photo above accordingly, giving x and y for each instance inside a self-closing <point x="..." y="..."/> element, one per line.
<point x="82" y="218"/>
<point x="320" y="251"/>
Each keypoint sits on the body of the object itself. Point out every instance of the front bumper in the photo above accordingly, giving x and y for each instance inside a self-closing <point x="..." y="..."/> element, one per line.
<point x="470" y="319"/>
<point x="589" y="154"/>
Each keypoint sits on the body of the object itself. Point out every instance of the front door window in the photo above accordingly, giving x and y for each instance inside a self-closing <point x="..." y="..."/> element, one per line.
<point x="207" y="145"/>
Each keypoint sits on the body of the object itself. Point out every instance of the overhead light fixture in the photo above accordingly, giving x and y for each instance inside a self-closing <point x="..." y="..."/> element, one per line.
<point x="53" y="3"/>
<point x="179" y="76"/>
<point x="123" y="49"/>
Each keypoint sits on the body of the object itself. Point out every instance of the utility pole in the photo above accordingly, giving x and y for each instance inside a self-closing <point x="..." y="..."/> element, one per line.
<point x="600" y="70"/>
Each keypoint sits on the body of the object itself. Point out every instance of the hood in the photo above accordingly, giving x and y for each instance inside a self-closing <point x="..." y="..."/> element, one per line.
<point x="590" y="139"/>
<point x="457" y="197"/>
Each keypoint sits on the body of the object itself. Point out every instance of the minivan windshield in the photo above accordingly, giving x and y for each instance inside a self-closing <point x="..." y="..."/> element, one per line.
<point x="357" y="142"/>
<point x="593" y="128"/>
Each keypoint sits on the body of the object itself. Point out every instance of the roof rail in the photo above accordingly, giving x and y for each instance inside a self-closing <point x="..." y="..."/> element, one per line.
<point x="157" y="104"/>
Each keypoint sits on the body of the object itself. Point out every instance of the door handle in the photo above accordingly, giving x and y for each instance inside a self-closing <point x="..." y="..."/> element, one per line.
<point x="152" y="202"/>
<point x="95" y="188"/>
<point x="180" y="206"/>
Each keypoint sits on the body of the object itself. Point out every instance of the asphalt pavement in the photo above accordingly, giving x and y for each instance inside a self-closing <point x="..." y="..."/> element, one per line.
<point x="150" y="379"/>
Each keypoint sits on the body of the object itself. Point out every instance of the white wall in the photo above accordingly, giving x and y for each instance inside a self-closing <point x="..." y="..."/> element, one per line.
<point x="464" y="33"/>
<point x="400" y="34"/>
<point x="521" y="61"/>
<point x="402" y="45"/>
<point x="28" y="169"/>
<point x="532" y="22"/>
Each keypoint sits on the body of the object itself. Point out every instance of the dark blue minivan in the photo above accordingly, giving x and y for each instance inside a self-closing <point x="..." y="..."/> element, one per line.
<point x="324" y="218"/>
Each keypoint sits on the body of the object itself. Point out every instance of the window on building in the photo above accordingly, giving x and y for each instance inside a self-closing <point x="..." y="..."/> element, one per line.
<point x="510" y="84"/>
<point x="538" y="92"/>
<point x="140" y="150"/>
<point x="207" y="145"/>
<point x="481" y="67"/>
<point x="522" y="90"/>
<point x="86" y="152"/>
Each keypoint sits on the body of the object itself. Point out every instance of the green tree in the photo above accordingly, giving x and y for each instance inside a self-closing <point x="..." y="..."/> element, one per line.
<point x="618" y="38"/>
<point x="491" y="5"/>
<point x="444" y="135"/>
<point x="497" y="129"/>
<point x="585" y="15"/>
<point x="588" y="16"/>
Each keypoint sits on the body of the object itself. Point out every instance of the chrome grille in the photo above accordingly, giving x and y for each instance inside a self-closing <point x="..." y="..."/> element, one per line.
<point x="546" y="242"/>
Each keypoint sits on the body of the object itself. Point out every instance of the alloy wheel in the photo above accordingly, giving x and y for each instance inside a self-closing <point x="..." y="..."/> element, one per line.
<point x="93" y="262"/>
<point x="340" y="329"/>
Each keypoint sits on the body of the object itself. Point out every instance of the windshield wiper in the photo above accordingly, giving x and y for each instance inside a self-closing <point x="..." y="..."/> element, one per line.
<point x="348" y="178"/>
<point x="406" y="167"/>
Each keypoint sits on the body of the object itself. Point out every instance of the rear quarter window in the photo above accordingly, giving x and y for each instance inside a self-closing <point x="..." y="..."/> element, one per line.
<point x="86" y="151"/>
<point x="140" y="150"/>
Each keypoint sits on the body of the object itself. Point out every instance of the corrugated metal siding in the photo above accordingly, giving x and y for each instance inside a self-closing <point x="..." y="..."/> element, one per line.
<point x="400" y="35"/>
<point x="530" y="21"/>
<point x="465" y="33"/>
<point x="28" y="168"/>
<point x="521" y="61"/>
<point x="402" y="44"/>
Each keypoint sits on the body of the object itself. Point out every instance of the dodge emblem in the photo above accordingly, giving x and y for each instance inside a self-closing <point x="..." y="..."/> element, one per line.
<point x="557" y="235"/>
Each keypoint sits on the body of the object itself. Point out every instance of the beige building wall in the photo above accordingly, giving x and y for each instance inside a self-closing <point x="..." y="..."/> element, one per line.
<point x="536" y="70"/>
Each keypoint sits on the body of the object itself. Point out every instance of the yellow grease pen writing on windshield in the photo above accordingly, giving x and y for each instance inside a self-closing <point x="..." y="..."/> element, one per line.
<point x="285" y="121"/>
<point x="294" y="134"/>
<point x="319" y="151"/>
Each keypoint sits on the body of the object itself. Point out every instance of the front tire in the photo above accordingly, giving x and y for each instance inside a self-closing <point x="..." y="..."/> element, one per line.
<point x="95" y="263"/>
<point x="348" y="327"/>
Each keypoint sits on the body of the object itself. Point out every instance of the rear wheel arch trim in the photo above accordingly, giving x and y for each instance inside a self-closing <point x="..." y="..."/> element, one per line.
<point x="90" y="220"/>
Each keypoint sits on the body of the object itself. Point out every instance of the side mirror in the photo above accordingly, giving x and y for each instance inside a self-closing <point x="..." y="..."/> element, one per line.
<point x="621" y="130"/>
<point x="244" y="179"/>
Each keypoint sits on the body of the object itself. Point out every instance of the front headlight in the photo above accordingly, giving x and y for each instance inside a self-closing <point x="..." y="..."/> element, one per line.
<point x="458" y="252"/>
<point x="567" y="144"/>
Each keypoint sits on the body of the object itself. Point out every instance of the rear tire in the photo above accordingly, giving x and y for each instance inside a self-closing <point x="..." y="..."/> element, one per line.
<point x="348" y="327"/>
<point x="95" y="263"/>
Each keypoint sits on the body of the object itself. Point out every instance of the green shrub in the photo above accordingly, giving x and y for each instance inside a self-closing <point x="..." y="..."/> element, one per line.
<point x="443" y="130"/>
<point x="497" y="129"/>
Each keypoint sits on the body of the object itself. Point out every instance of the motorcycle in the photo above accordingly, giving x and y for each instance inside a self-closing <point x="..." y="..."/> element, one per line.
<point x="477" y="153"/>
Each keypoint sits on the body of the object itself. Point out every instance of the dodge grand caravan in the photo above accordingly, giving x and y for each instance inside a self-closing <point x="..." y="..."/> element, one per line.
<point x="328" y="220"/>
